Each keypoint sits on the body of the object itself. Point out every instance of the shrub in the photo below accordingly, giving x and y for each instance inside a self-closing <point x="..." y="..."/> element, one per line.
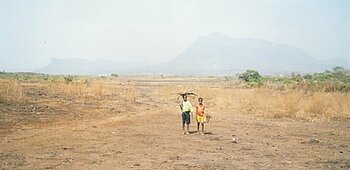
<point x="251" y="76"/>
<point x="68" y="79"/>
<point x="46" y="77"/>
<point x="114" y="75"/>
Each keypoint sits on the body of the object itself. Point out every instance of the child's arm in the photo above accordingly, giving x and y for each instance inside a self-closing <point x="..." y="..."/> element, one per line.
<point x="203" y="110"/>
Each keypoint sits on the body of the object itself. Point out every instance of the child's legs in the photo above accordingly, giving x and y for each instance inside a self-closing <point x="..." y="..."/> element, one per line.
<point x="198" y="126"/>
<point x="202" y="127"/>
<point x="183" y="116"/>
<point x="188" y="120"/>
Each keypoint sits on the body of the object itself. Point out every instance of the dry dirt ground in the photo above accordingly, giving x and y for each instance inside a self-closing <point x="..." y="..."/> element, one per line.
<point x="51" y="132"/>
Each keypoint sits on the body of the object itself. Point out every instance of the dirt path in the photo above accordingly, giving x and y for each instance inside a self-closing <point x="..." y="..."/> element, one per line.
<point x="147" y="135"/>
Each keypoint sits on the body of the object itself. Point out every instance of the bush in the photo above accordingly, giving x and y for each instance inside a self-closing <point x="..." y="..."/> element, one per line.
<point x="114" y="75"/>
<point x="68" y="79"/>
<point x="251" y="76"/>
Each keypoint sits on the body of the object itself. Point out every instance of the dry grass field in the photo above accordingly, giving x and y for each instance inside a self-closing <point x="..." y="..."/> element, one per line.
<point x="134" y="123"/>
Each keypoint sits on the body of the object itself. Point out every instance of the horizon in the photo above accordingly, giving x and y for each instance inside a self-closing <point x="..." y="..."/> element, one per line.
<point x="34" y="32"/>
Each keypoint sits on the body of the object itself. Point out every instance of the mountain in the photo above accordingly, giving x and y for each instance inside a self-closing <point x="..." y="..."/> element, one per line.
<point x="214" y="54"/>
<point x="219" y="54"/>
<point x="86" y="67"/>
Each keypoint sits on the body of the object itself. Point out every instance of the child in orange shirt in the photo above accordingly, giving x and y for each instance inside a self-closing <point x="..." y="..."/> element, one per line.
<point x="200" y="115"/>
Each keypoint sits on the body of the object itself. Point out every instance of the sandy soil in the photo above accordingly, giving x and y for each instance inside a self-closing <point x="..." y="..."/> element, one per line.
<point x="52" y="132"/>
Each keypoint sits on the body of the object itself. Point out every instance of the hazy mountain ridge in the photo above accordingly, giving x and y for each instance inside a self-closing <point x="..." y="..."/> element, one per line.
<point x="214" y="54"/>
<point x="219" y="54"/>
<point x="86" y="67"/>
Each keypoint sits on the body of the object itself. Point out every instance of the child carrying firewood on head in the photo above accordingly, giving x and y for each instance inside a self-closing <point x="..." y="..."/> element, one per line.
<point x="200" y="115"/>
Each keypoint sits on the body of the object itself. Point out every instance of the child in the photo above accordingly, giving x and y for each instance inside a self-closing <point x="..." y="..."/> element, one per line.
<point x="186" y="109"/>
<point x="200" y="115"/>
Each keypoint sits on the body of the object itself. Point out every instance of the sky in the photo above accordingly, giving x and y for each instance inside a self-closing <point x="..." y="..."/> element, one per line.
<point x="152" y="31"/>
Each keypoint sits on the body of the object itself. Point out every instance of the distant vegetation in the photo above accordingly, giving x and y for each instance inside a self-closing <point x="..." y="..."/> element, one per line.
<point x="114" y="75"/>
<point x="36" y="77"/>
<point x="68" y="79"/>
<point x="338" y="79"/>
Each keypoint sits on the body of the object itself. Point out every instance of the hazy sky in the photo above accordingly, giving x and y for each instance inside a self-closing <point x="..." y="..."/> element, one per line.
<point x="32" y="32"/>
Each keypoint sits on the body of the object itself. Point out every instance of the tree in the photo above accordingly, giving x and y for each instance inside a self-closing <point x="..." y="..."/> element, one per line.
<point x="340" y="71"/>
<point x="251" y="76"/>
